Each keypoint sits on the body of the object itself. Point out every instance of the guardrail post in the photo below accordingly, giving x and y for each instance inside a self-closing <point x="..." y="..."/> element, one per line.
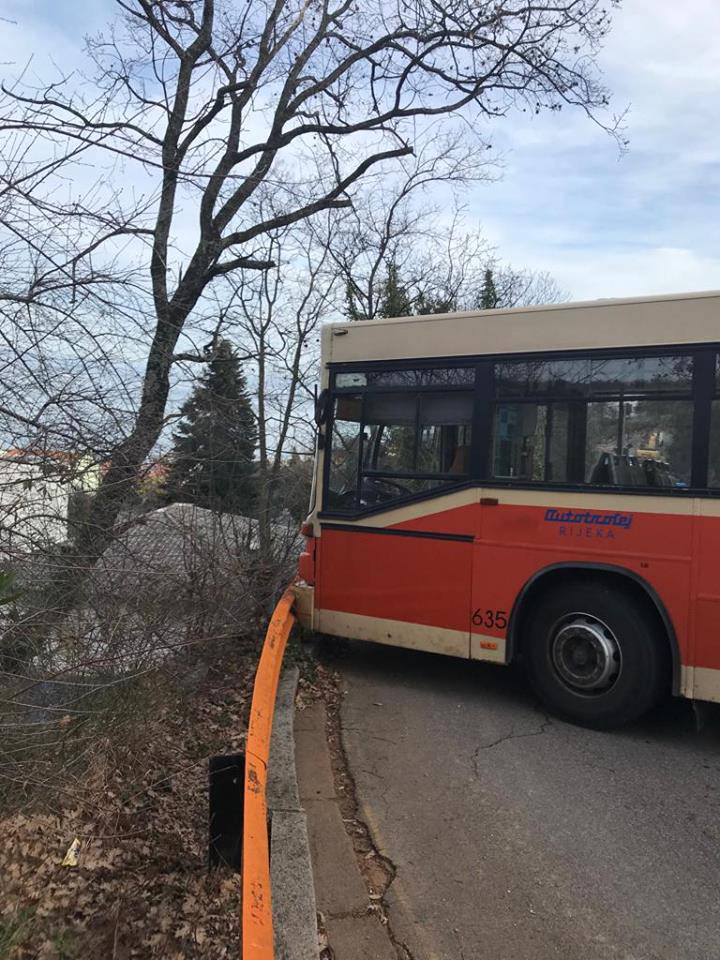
<point x="226" y="795"/>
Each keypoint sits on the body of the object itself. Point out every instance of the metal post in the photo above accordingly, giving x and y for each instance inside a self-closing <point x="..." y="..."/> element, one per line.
<point x="226" y="777"/>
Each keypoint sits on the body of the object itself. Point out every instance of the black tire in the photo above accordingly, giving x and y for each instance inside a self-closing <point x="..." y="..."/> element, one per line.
<point x="594" y="653"/>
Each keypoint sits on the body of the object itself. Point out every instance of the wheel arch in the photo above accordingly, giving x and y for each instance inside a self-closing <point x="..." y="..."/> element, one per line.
<point x="531" y="589"/>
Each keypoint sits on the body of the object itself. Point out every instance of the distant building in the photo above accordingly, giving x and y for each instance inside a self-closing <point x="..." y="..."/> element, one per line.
<point x="38" y="491"/>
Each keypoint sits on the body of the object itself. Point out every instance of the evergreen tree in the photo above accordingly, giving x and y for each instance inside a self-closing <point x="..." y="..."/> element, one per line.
<point x="427" y="304"/>
<point x="394" y="298"/>
<point x="489" y="299"/>
<point x="353" y="311"/>
<point x="215" y="441"/>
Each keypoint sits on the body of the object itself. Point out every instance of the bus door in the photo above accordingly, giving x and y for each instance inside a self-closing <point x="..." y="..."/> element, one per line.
<point x="400" y="571"/>
<point x="396" y="584"/>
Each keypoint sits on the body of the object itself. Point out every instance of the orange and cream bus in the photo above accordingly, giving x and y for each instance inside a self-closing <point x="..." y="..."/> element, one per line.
<point x="538" y="484"/>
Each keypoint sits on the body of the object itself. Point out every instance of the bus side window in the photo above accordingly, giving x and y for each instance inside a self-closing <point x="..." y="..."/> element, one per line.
<point x="530" y="441"/>
<point x="714" y="451"/>
<point x="344" y="452"/>
<point x="390" y="420"/>
<point x="444" y="437"/>
<point x="644" y="442"/>
<point x="714" y="457"/>
<point x="418" y="434"/>
<point x="629" y="423"/>
<point x="415" y="443"/>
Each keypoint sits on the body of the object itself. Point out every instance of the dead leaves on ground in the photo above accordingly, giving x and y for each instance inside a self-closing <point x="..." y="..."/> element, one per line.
<point x="141" y="886"/>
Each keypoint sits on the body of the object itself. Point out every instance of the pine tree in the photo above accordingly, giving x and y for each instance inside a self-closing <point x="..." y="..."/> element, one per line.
<point x="489" y="299"/>
<point x="352" y="309"/>
<point x="215" y="441"/>
<point x="427" y="304"/>
<point x="394" y="298"/>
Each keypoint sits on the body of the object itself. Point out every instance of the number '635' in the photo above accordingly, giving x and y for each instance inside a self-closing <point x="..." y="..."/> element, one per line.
<point x="490" y="618"/>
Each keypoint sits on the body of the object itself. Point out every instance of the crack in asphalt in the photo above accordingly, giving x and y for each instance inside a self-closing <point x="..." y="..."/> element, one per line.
<point x="542" y="729"/>
<point x="366" y="850"/>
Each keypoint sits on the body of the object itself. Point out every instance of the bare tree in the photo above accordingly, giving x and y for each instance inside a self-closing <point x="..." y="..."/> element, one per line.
<point x="337" y="264"/>
<point x="393" y="221"/>
<point x="439" y="257"/>
<point x="222" y="123"/>
<point x="277" y="318"/>
<point x="526" y="288"/>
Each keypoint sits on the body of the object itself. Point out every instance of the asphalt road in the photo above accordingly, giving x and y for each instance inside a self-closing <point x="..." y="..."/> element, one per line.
<point x="518" y="837"/>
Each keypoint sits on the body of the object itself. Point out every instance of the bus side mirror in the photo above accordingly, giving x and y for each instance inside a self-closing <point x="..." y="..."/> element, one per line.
<point x="322" y="408"/>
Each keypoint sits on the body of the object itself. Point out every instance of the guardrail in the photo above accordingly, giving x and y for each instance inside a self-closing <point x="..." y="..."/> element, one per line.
<point x="257" y="927"/>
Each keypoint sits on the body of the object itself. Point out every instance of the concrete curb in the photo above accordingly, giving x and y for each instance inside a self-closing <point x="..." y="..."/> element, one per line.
<point x="293" y="892"/>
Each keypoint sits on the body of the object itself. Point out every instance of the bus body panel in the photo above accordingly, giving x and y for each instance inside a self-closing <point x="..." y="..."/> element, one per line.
<point x="424" y="580"/>
<point x="382" y="575"/>
<point x="518" y="540"/>
<point x="451" y="513"/>
<point x="601" y="324"/>
<point x="397" y="588"/>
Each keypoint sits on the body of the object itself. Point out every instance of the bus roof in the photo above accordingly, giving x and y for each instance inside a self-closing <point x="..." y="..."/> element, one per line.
<point x="673" y="319"/>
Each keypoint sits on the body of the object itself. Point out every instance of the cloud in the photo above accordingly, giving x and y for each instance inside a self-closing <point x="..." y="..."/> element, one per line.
<point x="634" y="271"/>
<point x="645" y="222"/>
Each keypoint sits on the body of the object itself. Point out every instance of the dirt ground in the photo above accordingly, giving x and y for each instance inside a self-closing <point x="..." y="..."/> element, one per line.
<point x="141" y="887"/>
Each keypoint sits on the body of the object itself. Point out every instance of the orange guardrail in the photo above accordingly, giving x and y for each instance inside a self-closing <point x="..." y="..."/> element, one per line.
<point x="257" y="928"/>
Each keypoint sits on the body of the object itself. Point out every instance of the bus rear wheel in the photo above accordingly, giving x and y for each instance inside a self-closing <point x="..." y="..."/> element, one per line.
<point x="594" y="654"/>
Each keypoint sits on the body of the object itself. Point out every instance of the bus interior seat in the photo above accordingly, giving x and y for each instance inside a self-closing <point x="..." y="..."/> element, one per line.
<point x="637" y="473"/>
<point x="601" y="470"/>
<point x="658" y="473"/>
<point x="461" y="460"/>
<point x="617" y="470"/>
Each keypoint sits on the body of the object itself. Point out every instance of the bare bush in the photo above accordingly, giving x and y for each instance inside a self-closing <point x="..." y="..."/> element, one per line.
<point x="177" y="589"/>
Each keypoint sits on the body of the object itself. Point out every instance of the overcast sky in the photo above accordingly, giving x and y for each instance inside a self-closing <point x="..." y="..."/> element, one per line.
<point x="603" y="225"/>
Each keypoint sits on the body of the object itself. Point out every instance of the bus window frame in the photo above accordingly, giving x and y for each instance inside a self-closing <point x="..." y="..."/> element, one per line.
<point x="702" y="392"/>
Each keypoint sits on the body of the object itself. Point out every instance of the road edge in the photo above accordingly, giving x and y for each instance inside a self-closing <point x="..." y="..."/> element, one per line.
<point x="293" y="893"/>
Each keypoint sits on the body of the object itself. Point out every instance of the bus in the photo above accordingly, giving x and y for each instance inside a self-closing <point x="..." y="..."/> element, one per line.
<point x="538" y="484"/>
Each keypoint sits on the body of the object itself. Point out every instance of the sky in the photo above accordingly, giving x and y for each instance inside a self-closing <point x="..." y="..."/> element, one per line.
<point x="602" y="223"/>
<point x="646" y="222"/>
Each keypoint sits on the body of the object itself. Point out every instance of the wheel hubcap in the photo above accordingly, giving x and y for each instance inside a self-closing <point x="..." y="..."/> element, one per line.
<point x="585" y="653"/>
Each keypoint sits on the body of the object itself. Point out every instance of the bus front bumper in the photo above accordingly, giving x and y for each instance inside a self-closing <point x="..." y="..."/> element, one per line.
<point x="304" y="604"/>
